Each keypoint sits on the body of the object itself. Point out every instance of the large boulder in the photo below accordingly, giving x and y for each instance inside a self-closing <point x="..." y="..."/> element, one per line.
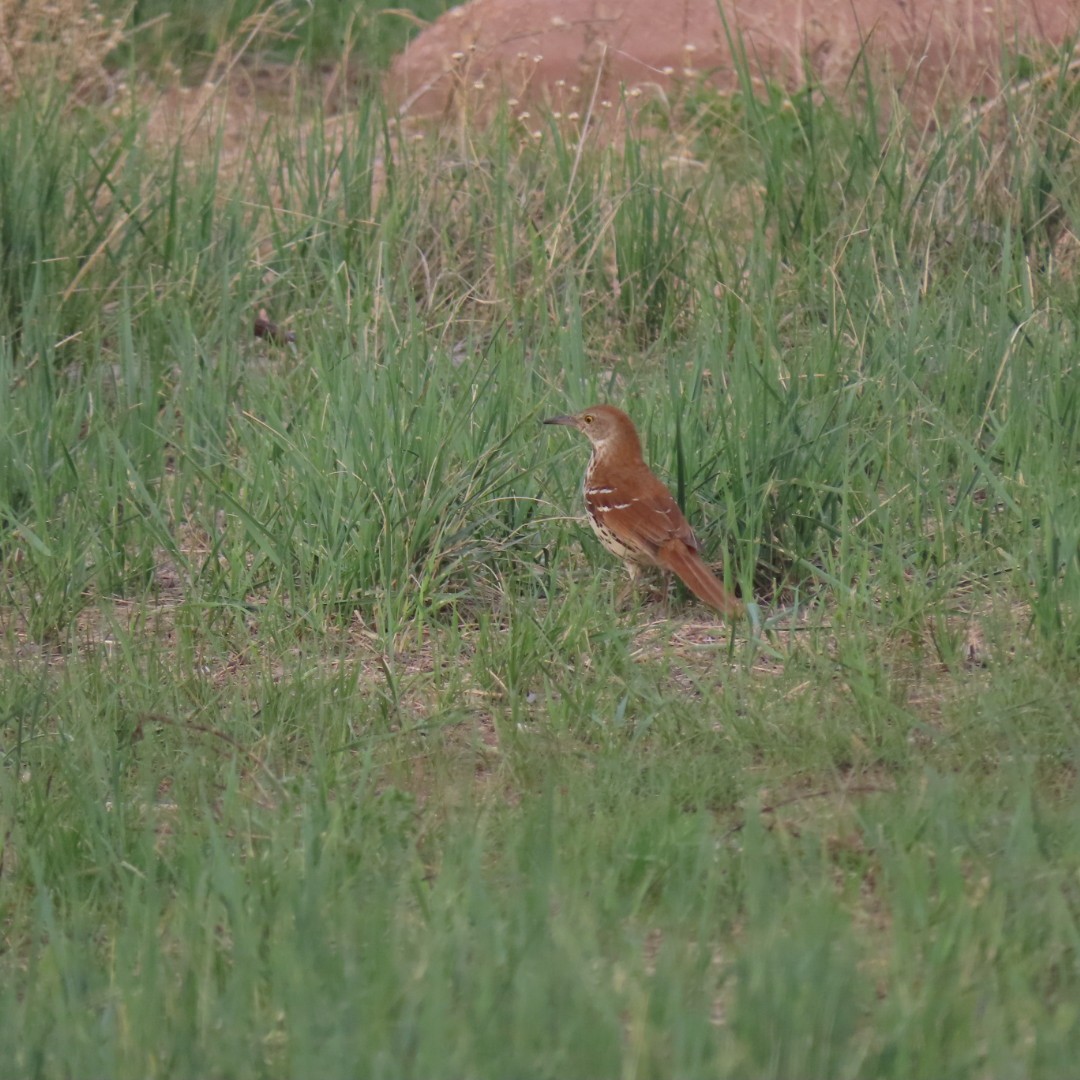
<point x="573" y="52"/>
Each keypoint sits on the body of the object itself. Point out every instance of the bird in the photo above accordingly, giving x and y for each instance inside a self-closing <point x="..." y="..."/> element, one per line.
<point x="633" y="514"/>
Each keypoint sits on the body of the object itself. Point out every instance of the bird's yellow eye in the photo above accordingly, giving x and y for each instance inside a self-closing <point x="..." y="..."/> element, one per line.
<point x="587" y="418"/>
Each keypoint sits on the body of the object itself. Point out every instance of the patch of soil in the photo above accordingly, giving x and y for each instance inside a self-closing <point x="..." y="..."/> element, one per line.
<point x="573" y="52"/>
<point x="225" y="115"/>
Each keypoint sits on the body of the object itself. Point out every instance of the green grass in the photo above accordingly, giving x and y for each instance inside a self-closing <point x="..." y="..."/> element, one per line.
<point x="324" y="749"/>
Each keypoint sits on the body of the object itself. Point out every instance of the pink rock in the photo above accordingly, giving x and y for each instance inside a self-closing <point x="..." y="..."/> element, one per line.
<point x="571" y="52"/>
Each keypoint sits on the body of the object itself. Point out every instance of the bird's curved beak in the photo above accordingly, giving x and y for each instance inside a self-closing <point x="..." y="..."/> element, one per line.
<point x="566" y="421"/>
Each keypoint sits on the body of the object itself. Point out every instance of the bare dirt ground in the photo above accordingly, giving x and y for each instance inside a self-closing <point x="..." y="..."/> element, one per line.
<point x="574" y="52"/>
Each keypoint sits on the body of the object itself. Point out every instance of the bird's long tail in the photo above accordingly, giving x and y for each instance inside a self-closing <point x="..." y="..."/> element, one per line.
<point x="698" y="578"/>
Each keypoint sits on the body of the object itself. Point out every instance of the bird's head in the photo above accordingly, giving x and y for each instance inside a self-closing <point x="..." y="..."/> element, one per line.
<point x="605" y="427"/>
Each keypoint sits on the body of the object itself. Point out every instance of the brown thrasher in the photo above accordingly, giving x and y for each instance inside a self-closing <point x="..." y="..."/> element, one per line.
<point x="633" y="514"/>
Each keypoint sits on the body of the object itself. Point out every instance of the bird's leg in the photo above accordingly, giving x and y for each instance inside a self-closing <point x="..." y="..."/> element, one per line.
<point x="667" y="583"/>
<point x="638" y="576"/>
<point x="626" y="593"/>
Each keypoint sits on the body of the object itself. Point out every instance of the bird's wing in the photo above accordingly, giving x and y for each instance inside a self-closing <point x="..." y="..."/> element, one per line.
<point x="647" y="519"/>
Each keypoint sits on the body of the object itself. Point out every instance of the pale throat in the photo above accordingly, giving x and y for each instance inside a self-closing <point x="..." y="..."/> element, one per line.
<point x="625" y="453"/>
<point x="599" y="451"/>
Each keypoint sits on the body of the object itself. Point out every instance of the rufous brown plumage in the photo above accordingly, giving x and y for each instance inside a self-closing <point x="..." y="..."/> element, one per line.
<point x="633" y="515"/>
